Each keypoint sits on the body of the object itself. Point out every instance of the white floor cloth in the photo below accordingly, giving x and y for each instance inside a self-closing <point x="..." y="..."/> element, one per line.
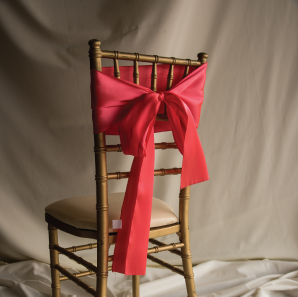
<point x="260" y="278"/>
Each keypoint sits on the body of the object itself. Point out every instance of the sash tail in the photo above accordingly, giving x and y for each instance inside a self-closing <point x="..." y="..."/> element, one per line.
<point x="130" y="255"/>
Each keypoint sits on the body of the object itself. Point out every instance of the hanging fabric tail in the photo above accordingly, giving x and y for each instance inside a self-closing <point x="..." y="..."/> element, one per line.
<point x="130" y="255"/>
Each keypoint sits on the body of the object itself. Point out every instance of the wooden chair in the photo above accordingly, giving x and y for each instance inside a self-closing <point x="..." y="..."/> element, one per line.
<point x="77" y="216"/>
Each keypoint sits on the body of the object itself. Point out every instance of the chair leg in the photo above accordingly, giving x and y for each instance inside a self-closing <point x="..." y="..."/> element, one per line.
<point x="102" y="207"/>
<point x="135" y="285"/>
<point x="102" y="270"/>
<point x="189" y="275"/>
<point x="185" y="251"/>
<point x="54" y="257"/>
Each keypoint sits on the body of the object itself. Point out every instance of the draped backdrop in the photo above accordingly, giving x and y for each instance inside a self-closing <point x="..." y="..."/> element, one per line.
<point x="248" y="127"/>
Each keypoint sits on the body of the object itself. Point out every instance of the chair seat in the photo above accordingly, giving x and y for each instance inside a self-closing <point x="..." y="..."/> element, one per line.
<point x="80" y="212"/>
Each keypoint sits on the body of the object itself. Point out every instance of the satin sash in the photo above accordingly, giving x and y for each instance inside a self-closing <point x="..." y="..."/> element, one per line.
<point x="130" y="110"/>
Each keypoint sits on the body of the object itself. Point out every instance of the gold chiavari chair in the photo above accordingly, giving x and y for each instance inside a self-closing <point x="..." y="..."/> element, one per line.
<point x="77" y="216"/>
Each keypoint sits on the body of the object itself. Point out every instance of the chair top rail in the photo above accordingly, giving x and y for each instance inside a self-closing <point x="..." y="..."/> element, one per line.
<point x="95" y="52"/>
<point x="148" y="58"/>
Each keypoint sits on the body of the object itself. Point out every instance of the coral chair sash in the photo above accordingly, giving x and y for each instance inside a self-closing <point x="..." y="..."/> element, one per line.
<point x="130" y="110"/>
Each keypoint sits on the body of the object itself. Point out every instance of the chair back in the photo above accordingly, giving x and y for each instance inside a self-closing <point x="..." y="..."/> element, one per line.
<point x="100" y="148"/>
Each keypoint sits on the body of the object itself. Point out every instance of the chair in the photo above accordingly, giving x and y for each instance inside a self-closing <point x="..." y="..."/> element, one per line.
<point x="77" y="216"/>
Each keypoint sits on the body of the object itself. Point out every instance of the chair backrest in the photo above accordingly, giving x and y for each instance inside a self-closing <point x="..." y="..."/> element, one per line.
<point x="100" y="147"/>
<point x="96" y="54"/>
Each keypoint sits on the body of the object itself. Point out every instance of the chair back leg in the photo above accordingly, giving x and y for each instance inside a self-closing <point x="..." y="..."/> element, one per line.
<point x="102" y="269"/>
<point x="54" y="258"/>
<point x="102" y="208"/>
<point x="136" y="286"/>
<point x="185" y="250"/>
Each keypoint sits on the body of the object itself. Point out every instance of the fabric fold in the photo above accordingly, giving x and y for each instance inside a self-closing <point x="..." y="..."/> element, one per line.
<point x="133" y="109"/>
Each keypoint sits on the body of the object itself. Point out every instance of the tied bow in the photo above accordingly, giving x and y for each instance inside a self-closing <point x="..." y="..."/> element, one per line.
<point x="132" y="109"/>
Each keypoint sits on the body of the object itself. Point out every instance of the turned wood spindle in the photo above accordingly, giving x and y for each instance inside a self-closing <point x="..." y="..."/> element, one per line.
<point x="154" y="74"/>
<point x="186" y="71"/>
<point x="116" y="65"/>
<point x="136" y="69"/>
<point x="171" y="74"/>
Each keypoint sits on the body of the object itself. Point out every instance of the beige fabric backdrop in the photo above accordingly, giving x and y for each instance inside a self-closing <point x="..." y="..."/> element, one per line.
<point x="248" y="128"/>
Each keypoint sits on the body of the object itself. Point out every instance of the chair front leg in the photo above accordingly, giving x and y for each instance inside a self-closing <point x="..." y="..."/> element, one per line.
<point x="54" y="258"/>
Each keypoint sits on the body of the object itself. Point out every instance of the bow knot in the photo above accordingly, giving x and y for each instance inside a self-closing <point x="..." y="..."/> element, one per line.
<point x="161" y="96"/>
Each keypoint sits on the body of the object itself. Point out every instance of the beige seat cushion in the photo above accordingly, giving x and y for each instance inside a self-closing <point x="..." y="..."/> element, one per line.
<point x="80" y="212"/>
